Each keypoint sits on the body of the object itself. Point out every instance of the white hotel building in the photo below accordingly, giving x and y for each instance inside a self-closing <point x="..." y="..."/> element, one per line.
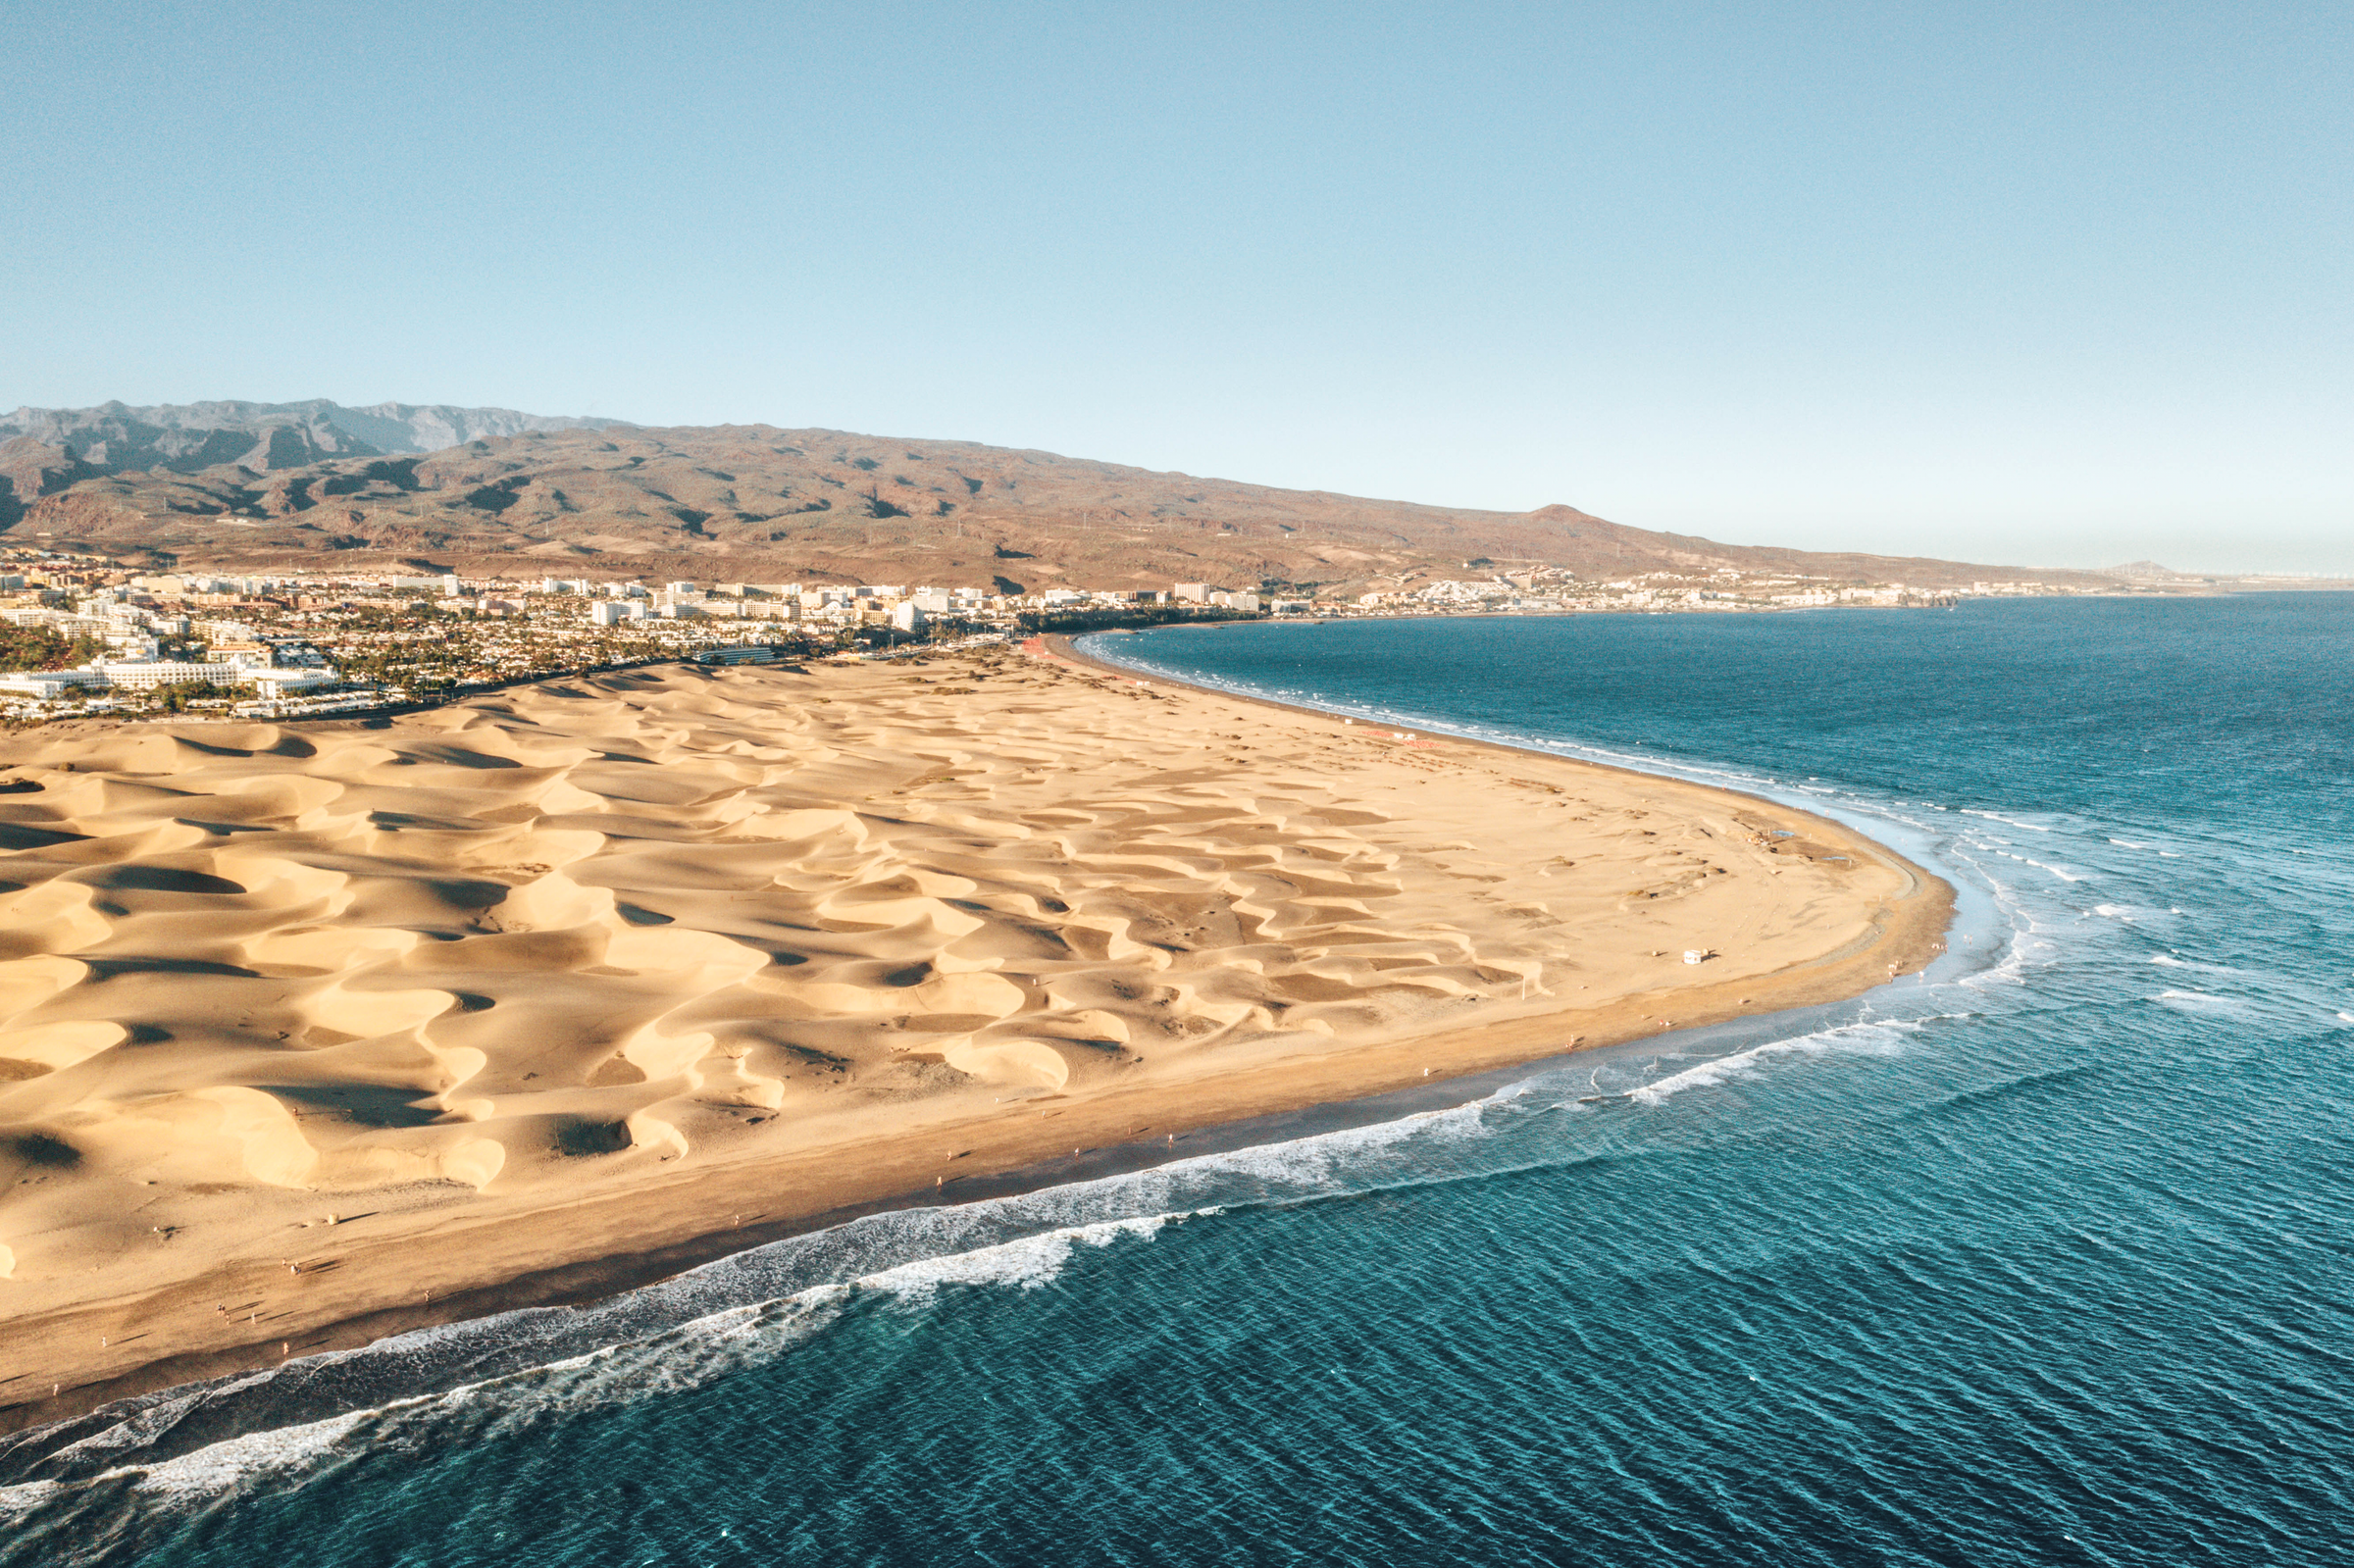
<point x="145" y="675"/>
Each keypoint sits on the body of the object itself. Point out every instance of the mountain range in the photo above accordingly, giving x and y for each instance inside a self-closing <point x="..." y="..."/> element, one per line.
<point x="186" y="437"/>
<point x="315" y="485"/>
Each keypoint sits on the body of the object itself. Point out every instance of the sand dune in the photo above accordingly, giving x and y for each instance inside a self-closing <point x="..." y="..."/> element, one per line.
<point x="297" y="1023"/>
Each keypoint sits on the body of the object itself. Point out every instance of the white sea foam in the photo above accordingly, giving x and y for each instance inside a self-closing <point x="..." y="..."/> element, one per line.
<point x="1029" y="1263"/>
<point x="682" y="1358"/>
<point x="2018" y="926"/>
<point x="2008" y="821"/>
<point x="672" y="1361"/>
<point x="209" y="1471"/>
<point x="2202" y="1003"/>
<point x="2169" y="961"/>
<point x="1870" y="1036"/>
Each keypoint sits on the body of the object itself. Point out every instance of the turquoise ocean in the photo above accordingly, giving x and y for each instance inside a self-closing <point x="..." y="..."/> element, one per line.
<point x="2045" y="1256"/>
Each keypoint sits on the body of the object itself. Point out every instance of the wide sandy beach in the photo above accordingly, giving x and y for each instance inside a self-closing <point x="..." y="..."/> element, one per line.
<point x="310" y="1033"/>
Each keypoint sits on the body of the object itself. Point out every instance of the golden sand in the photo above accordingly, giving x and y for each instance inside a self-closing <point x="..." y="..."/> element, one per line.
<point x="312" y="1033"/>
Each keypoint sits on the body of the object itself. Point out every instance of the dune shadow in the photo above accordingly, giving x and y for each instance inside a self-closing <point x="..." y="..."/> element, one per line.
<point x="159" y="880"/>
<point x="403" y="819"/>
<point x="456" y="757"/>
<point x="23" y="835"/>
<point x="369" y="1104"/>
<point x="107" y="968"/>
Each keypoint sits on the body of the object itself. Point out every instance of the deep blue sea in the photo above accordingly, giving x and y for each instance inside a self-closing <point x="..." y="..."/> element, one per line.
<point x="2045" y="1257"/>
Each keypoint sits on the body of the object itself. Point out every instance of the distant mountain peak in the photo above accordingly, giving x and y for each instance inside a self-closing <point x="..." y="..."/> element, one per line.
<point x="185" y="438"/>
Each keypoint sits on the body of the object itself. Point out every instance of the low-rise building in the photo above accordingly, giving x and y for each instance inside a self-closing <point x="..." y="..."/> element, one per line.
<point x="146" y="675"/>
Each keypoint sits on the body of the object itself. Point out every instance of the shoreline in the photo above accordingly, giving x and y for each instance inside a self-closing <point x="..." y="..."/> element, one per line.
<point x="664" y="1230"/>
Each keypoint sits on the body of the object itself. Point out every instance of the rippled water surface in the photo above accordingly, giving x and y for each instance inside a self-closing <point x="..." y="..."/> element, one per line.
<point x="2041" y="1259"/>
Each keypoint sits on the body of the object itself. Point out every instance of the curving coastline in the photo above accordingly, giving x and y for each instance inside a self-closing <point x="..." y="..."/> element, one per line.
<point x="1389" y="904"/>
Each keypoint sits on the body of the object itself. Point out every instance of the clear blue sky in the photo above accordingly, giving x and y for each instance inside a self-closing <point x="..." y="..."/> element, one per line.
<point x="2055" y="284"/>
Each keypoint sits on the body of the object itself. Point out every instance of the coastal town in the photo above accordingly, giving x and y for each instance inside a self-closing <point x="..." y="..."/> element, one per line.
<point x="85" y="637"/>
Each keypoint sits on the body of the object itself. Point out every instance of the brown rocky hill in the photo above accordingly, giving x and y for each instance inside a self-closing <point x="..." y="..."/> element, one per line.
<point x="760" y="504"/>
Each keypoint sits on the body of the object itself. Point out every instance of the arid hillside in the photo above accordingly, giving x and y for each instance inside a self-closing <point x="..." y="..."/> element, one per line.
<point x="760" y="504"/>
